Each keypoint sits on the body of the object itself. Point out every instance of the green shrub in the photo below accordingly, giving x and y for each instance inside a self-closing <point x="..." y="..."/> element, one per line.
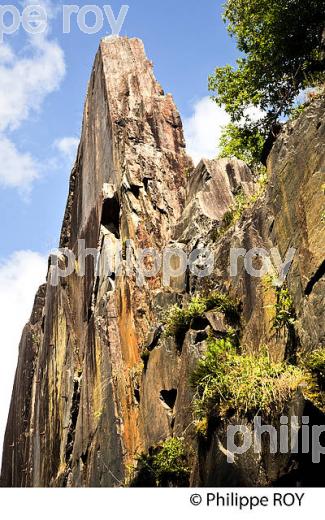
<point x="178" y="320"/>
<point x="262" y="183"/>
<point x="243" y="142"/>
<point x="226" y="381"/>
<point x="284" y="311"/>
<point x="232" y="216"/>
<point x="315" y="363"/>
<point x="165" y="465"/>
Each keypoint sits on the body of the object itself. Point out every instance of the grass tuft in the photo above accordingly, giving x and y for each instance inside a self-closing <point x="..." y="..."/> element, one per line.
<point x="284" y="310"/>
<point x="226" y="382"/>
<point x="165" y="465"/>
<point x="178" y="320"/>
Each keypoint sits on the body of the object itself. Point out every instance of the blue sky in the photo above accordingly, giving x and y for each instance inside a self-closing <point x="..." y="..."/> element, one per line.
<point x="43" y="84"/>
<point x="185" y="40"/>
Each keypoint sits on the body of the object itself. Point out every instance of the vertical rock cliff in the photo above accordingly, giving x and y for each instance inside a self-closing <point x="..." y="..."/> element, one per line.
<point x="98" y="382"/>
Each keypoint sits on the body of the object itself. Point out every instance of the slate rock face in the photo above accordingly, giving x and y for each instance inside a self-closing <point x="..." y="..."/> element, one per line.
<point x="97" y="381"/>
<point x="297" y="163"/>
<point x="211" y="192"/>
<point x="128" y="182"/>
<point x="289" y="215"/>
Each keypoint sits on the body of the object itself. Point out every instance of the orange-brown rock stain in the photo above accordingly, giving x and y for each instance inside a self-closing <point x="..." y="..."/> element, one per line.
<point x="131" y="362"/>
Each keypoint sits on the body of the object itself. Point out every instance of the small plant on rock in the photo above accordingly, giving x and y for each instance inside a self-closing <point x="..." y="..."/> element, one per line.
<point x="232" y="216"/>
<point x="165" y="465"/>
<point x="226" y="382"/>
<point x="315" y="363"/>
<point x="284" y="310"/>
<point x="178" y="320"/>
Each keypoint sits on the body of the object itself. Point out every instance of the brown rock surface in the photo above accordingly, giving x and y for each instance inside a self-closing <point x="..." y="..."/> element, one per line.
<point x="84" y="405"/>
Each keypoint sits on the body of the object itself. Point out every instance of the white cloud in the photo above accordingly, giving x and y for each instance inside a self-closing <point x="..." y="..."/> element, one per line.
<point x="17" y="170"/>
<point x="67" y="146"/>
<point x="25" y="82"/>
<point x="51" y="8"/>
<point x="254" y="113"/>
<point x="302" y="97"/>
<point x="20" y="276"/>
<point x="203" y="129"/>
<point x="26" y="79"/>
<point x="6" y="54"/>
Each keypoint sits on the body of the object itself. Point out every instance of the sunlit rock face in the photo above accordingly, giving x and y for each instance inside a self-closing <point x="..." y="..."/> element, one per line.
<point x="97" y="381"/>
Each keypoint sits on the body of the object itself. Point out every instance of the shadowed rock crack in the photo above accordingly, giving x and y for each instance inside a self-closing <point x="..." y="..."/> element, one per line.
<point x="73" y="420"/>
<point x="315" y="278"/>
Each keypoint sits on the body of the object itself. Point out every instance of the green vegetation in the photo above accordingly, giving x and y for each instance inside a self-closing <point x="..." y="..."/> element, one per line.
<point x="315" y="363"/>
<point x="226" y="381"/>
<point x="165" y="465"/>
<point x="98" y="414"/>
<point x="282" y="53"/>
<point x="281" y="42"/>
<point x="232" y="216"/>
<point x="244" y="143"/>
<point x="201" y="426"/>
<point x="284" y="311"/>
<point x="178" y="320"/>
<point x="35" y="338"/>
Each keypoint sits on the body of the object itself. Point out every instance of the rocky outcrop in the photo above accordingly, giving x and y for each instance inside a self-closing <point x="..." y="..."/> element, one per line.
<point x="98" y="382"/>
<point x="128" y="182"/>
<point x="17" y="442"/>
<point x="211" y="191"/>
<point x="288" y="215"/>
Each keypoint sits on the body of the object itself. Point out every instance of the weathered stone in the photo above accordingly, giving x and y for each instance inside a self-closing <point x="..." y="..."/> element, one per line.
<point x="84" y="405"/>
<point x="211" y="191"/>
<point x="217" y="321"/>
<point x="153" y="338"/>
<point x="128" y="182"/>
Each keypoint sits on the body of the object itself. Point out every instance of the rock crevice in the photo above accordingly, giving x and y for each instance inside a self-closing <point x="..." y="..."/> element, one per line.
<point x="98" y="382"/>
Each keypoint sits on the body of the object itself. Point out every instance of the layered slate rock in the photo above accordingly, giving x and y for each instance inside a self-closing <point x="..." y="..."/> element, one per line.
<point x="97" y="381"/>
<point x="18" y="447"/>
<point x="128" y="182"/>
<point x="288" y="215"/>
<point x="211" y="191"/>
<point x="297" y="163"/>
